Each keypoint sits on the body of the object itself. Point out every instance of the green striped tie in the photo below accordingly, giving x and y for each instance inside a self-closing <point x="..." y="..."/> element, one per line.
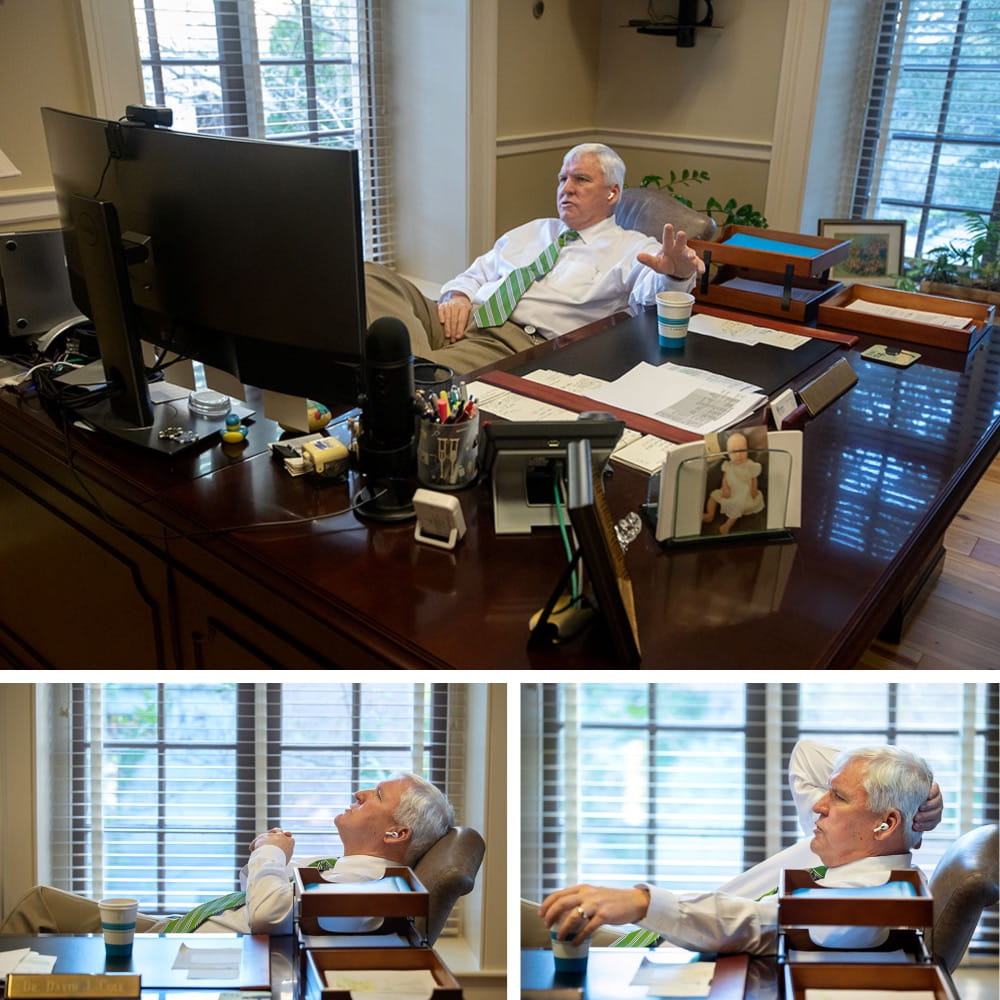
<point x="496" y="310"/>
<point x="640" y="938"/>
<point x="814" y="873"/>
<point x="192" y="920"/>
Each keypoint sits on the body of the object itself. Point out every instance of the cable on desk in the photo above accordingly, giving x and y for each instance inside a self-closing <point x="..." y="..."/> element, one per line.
<point x="564" y="532"/>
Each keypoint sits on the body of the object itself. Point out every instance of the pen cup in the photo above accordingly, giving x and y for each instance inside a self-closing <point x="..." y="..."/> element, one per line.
<point x="448" y="454"/>
<point x="569" y="959"/>
<point x="673" y="313"/>
<point x="118" y="918"/>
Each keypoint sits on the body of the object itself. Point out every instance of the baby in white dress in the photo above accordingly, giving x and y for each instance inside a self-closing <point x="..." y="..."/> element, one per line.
<point x="738" y="494"/>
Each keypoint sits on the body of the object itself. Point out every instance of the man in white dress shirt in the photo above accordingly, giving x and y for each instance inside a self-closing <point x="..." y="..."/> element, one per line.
<point x="393" y="823"/>
<point x="604" y="270"/>
<point x="865" y="822"/>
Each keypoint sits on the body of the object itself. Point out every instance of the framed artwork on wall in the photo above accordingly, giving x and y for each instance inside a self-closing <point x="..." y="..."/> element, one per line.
<point x="876" y="256"/>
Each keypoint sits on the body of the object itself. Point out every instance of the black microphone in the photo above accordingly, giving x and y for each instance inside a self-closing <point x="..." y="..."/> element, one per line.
<point x="386" y="445"/>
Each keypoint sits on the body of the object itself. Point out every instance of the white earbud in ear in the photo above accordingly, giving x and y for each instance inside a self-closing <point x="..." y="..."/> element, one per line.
<point x="392" y="833"/>
<point x="881" y="827"/>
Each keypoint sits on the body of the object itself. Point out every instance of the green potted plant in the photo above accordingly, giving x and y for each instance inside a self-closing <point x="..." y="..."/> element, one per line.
<point x="968" y="269"/>
<point x="724" y="213"/>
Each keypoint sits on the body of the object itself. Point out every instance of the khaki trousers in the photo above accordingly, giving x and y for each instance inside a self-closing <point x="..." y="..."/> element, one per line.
<point x="45" y="910"/>
<point x="388" y="294"/>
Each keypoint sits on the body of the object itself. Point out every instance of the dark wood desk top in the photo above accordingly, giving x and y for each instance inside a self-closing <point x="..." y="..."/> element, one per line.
<point x="886" y="469"/>
<point x="265" y="959"/>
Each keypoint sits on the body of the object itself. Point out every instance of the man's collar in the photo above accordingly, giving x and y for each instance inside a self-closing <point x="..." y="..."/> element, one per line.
<point x="597" y="228"/>
<point x="885" y="862"/>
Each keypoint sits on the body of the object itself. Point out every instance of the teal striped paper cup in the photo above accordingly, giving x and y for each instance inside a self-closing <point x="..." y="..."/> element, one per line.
<point x="118" y="916"/>
<point x="673" y="313"/>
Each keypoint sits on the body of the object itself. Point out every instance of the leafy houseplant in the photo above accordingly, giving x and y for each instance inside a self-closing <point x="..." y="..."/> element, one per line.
<point x="969" y="269"/>
<point x="730" y="212"/>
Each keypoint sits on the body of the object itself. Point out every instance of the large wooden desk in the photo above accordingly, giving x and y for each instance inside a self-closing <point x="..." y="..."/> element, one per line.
<point x="112" y="558"/>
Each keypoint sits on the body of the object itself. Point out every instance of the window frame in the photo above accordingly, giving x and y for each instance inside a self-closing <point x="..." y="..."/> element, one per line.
<point x="876" y="136"/>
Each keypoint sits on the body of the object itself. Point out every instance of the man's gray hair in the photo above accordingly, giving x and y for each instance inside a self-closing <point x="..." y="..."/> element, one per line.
<point x="894" y="778"/>
<point x="425" y="810"/>
<point x="612" y="165"/>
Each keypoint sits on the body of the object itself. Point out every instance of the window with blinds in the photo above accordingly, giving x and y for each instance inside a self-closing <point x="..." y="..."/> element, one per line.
<point x="686" y="785"/>
<point x="307" y="71"/>
<point x="160" y="788"/>
<point x="930" y="150"/>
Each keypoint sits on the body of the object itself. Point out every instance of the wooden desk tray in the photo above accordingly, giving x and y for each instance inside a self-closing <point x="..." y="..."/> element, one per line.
<point x="874" y="976"/>
<point x="821" y="252"/>
<point x="318" y="963"/>
<point x="320" y="898"/>
<point x="807" y="911"/>
<point x="796" y="298"/>
<point x="834" y="312"/>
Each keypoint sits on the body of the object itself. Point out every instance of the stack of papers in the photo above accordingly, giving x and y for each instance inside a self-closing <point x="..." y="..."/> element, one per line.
<point x="686" y="398"/>
<point x="26" y="962"/>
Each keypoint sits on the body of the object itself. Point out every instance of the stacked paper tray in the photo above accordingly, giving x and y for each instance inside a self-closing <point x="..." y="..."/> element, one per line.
<point x="862" y="907"/>
<point x="369" y="965"/>
<point x="771" y="250"/>
<point x="767" y="271"/>
<point x="909" y="316"/>
<point x="850" y="981"/>
<point x="398" y="894"/>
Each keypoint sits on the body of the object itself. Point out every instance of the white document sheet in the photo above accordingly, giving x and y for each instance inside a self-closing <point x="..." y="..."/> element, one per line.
<point x="688" y="979"/>
<point x="910" y="315"/>
<point x="744" y="333"/>
<point x="645" y="453"/>
<point x="383" y="984"/>
<point x="508" y="405"/>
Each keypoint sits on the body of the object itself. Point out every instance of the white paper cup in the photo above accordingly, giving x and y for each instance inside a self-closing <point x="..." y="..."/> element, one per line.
<point x="673" y="312"/>
<point x="569" y="959"/>
<point x="118" y="916"/>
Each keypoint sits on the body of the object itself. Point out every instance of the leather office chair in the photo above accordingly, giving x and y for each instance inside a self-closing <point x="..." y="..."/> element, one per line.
<point x="648" y="210"/>
<point x="964" y="883"/>
<point x="448" y="870"/>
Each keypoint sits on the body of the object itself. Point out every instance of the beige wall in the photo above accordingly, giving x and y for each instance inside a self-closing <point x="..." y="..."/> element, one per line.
<point x="710" y="107"/>
<point x="41" y="63"/>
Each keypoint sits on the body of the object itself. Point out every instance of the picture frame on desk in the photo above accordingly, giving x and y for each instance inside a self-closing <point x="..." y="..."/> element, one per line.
<point x="876" y="254"/>
<point x="688" y="495"/>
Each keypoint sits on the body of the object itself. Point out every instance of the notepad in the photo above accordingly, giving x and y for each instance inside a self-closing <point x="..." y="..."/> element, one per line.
<point x="390" y="883"/>
<point x="772" y="246"/>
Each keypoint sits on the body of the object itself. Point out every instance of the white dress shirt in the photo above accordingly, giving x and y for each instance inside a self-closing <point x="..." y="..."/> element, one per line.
<point x="267" y="881"/>
<point x="593" y="277"/>
<point x="732" y="919"/>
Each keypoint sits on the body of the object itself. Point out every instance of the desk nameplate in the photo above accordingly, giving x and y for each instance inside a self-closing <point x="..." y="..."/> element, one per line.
<point x="50" y="986"/>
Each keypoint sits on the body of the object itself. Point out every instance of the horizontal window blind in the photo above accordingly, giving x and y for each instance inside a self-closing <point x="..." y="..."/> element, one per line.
<point x="640" y="780"/>
<point x="682" y="784"/>
<point x="160" y="789"/>
<point x="931" y="147"/>
<point x="305" y="71"/>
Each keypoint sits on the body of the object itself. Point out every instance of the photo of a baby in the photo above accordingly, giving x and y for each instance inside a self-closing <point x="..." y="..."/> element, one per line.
<point x="736" y="485"/>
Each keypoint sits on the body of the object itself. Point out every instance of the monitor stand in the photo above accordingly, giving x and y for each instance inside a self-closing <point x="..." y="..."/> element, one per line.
<point x="174" y="426"/>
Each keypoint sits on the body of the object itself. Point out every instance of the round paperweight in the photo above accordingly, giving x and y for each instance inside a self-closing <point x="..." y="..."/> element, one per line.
<point x="208" y="403"/>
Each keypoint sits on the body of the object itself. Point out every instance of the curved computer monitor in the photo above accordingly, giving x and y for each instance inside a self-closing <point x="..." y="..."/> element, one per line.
<point x="243" y="254"/>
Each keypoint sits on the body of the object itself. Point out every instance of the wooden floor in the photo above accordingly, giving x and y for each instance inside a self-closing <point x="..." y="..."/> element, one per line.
<point x="957" y="626"/>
